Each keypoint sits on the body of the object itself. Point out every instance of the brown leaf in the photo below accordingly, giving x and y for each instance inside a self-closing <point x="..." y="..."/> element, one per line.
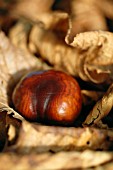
<point x="95" y="59"/>
<point x="13" y="127"/>
<point x="52" y="48"/>
<point x="36" y="8"/>
<point x="91" y="62"/>
<point x="58" y="161"/>
<point x="90" y="59"/>
<point x="14" y="63"/>
<point x="9" y="128"/>
<point x="87" y="15"/>
<point x="106" y="6"/>
<point x="40" y="138"/>
<point x="19" y="33"/>
<point x="101" y="108"/>
<point x="42" y="12"/>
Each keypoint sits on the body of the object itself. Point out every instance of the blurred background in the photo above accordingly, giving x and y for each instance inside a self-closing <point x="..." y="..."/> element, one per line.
<point x="86" y="15"/>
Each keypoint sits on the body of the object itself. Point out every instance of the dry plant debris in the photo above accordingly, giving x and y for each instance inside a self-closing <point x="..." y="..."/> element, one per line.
<point x="74" y="36"/>
<point x="40" y="138"/>
<point x="58" y="161"/>
<point x="14" y="63"/>
<point x="101" y="108"/>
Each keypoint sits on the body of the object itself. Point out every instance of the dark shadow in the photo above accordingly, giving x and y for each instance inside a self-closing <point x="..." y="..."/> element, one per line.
<point x="110" y="24"/>
<point x="59" y="5"/>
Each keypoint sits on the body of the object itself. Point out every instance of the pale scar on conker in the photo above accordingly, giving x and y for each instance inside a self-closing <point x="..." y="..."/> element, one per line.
<point x="49" y="96"/>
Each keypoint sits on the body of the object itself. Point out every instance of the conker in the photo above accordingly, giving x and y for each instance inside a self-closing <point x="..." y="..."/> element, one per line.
<point x="48" y="96"/>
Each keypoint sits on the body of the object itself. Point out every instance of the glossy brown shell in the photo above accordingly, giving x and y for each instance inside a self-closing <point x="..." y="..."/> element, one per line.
<point x="51" y="96"/>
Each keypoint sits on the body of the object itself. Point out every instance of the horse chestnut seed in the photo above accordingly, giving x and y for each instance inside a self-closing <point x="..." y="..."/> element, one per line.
<point x="48" y="96"/>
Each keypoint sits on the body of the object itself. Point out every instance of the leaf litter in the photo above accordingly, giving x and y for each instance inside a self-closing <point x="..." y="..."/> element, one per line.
<point x="62" y="36"/>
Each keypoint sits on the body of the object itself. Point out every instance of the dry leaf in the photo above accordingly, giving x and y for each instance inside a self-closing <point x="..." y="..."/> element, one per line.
<point x="58" y="161"/>
<point x="42" y="12"/>
<point x="107" y="166"/>
<point x="19" y="33"/>
<point x="40" y="29"/>
<point x="91" y="59"/>
<point x="13" y="127"/>
<point x="40" y="138"/>
<point x="36" y="8"/>
<point x="91" y="62"/>
<point x="101" y="108"/>
<point x="95" y="60"/>
<point x="87" y="15"/>
<point x="14" y="63"/>
<point x="106" y="6"/>
<point x="53" y="49"/>
<point x="6" y="136"/>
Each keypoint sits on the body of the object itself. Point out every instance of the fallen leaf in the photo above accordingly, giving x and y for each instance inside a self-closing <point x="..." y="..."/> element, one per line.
<point x="36" y="8"/>
<point x="52" y="48"/>
<point x="58" y="161"/>
<point x="36" y="34"/>
<point x="14" y="63"/>
<point x="86" y="15"/>
<point x="95" y="55"/>
<point x="42" y="12"/>
<point x="101" y="108"/>
<point x="40" y="138"/>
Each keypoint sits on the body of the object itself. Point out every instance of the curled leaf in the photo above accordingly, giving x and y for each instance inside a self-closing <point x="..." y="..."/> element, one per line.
<point x="90" y="57"/>
<point x="101" y="108"/>
<point x="87" y="15"/>
<point x="95" y="61"/>
<point x="52" y="48"/>
<point x="14" y="63"/>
